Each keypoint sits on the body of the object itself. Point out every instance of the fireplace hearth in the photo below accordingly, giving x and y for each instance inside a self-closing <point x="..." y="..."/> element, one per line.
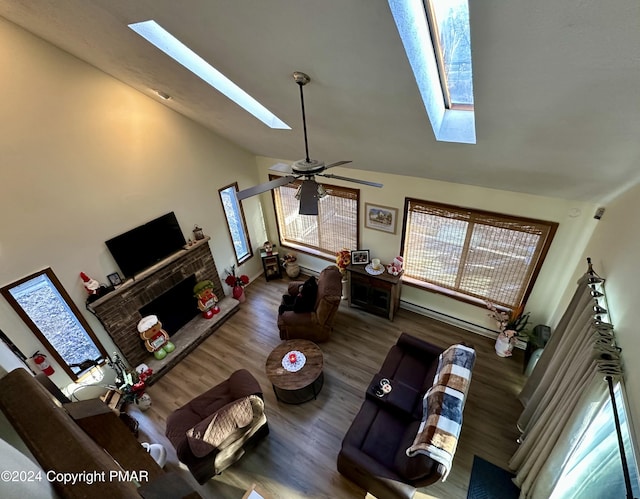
<point x="163" y="290"/>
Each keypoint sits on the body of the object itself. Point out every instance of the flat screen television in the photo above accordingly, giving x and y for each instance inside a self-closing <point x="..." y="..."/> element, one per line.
<point x="144" y="246"/>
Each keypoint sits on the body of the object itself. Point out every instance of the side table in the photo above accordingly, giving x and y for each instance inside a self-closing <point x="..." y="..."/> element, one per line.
<point x="377" y="294"/>
<point x="271" y="265"/>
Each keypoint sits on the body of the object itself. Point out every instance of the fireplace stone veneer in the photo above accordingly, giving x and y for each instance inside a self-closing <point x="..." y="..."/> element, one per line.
<point x="119" y="310"/>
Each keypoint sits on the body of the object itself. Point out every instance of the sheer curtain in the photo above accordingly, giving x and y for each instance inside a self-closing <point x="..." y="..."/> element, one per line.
<point x="563" y="396"/>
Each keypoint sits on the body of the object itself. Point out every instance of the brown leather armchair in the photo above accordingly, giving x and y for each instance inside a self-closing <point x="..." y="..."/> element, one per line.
<point x="317" y="324"/>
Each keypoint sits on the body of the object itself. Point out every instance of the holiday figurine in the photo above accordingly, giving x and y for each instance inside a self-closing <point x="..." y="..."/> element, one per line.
<point x="156" y="339"/>
<point x="207" y="300"/>
<point x="91" y="285"/>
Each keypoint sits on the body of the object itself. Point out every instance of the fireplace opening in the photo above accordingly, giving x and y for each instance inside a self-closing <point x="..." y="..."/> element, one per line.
<point x="175" y="307"/>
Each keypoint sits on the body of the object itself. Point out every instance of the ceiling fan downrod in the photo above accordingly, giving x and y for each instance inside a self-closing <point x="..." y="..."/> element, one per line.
<point x="302" y="79"/>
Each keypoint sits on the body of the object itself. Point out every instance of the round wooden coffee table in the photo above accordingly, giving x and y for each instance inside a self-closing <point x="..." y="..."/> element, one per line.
<point x="300" y="386"/>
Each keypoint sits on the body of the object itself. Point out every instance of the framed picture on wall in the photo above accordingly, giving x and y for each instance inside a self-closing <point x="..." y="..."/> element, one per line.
<point x="380" y="218"/>
<point x="359" y="257"/>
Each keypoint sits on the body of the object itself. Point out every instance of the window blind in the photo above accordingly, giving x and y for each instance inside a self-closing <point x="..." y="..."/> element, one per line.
<point x="335" y="227"/>
<point x="487" y="256"/>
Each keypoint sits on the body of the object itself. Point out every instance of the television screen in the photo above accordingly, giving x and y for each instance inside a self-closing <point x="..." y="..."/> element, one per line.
<point x="144" y="246"/>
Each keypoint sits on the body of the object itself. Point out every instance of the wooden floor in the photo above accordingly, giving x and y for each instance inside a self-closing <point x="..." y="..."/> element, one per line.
<point x="298" y="458"/>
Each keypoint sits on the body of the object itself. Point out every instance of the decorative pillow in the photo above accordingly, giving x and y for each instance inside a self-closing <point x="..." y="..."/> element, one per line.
<point x="306" y="300"/>
<point x="207" y="435"/>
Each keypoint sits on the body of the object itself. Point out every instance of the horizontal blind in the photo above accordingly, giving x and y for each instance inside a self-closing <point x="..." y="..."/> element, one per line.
<point x="293" y="227"/>
<point x="335" y="227"/>
<point x="483" y="255"/>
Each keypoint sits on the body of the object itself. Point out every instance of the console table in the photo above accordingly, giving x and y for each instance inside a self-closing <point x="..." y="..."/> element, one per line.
<point x="378" y="294"/>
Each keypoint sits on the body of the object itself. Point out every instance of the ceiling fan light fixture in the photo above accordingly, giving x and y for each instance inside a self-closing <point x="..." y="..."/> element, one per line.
<point x="308" y="198"/>
<point x="308" y="167"/>
<point x="309" y="191"/>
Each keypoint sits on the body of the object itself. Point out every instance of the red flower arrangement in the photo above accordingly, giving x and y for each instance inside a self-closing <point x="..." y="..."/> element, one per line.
<point x="343" y="259"/>
<point x="234" y="280"/>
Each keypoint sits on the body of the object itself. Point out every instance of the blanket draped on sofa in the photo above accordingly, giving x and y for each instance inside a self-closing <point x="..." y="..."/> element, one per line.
<point x="443" y="405"/>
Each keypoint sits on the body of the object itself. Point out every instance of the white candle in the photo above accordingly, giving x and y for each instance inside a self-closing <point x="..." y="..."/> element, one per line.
<point x="375" y="263"/>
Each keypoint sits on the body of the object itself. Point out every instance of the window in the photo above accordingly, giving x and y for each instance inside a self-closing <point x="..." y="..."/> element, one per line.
<point x="334" y="228"/>
<point x="449" y="22"/>
<point x="473" y="255"/>
<point x="594" y="466"/>
<point x="436" y="38"/>
<point x="44" y="305"/>
<point x="163" y="40"/>
<point x="236" y="223"/>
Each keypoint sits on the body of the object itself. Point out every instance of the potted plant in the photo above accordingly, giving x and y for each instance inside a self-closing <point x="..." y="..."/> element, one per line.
<point x="237" y="283"/>
<point x="343" y="260"/>
<point x="512" y="325"/>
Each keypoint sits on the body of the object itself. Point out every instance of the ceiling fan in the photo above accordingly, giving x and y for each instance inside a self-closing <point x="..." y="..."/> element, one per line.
<point x="309" y="191"/>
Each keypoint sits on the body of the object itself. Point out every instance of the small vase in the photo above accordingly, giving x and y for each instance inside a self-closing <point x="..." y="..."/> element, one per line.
<point x="238" y="294"/>
<point x="504" y="343"/>
<point x="345" y="288"/>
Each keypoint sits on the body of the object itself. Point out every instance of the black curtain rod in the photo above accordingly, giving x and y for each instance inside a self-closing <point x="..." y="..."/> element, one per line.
<point x="623" y="457"/>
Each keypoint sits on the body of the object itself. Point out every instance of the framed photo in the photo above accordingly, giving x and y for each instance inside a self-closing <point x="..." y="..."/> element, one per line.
<point x="380" y="218"/>
<point x="115" y="279"/>
<point x="359" y="257"/>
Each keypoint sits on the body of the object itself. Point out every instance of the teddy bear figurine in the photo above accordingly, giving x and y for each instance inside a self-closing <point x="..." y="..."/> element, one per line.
<point x="156" y="339"/>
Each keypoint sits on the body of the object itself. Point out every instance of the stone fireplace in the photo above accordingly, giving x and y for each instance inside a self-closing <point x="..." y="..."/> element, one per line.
<point x="165" y="290"/>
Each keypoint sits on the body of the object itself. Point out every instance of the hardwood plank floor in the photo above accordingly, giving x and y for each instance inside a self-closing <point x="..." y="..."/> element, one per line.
<point x="298" y="458"/>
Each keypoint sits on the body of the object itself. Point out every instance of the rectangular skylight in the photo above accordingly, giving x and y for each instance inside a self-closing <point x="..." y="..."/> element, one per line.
<point x="450" y="22"/>
<point x="449" y="124"/>
<point x="174" y="48"/>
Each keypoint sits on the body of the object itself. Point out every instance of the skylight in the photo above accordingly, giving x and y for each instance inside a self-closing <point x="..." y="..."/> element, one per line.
<point x="450" y="22"/>
<point x="174" y="48"/>
<point x="443" y="75"/>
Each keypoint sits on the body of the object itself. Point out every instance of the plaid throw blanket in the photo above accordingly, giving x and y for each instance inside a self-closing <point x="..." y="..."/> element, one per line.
<point x="443" y="405"/>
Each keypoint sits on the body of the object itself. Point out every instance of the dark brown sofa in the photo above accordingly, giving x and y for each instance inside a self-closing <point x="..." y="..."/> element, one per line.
<point x="373" y="453"/>
<point x="317" y="324"/>
<point x="213" y="407"/>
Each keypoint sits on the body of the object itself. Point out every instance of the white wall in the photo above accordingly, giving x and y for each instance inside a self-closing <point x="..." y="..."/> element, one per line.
<point x="614" y="250"/>
<point x="83" y="158"/>
<point x="568" y="244"/>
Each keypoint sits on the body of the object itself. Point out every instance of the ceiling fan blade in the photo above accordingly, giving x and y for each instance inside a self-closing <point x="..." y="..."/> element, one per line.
<point x="365" y="182"/>
<point x="282" y="168"/>
<point x="337" y="163"/>
<point x="267" y="186"/>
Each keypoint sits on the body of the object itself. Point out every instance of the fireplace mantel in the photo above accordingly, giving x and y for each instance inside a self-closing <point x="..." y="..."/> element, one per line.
<point x="149" y="272"/>
<point x="119" y="310"/>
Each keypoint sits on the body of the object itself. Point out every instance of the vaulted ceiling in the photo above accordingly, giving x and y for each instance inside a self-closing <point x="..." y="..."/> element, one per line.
<point x="557" y="83"/>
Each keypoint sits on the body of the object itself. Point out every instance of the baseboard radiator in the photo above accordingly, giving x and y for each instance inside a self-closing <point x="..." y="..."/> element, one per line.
<point x="454" y="321"/>
<point x="439" y="316"/>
